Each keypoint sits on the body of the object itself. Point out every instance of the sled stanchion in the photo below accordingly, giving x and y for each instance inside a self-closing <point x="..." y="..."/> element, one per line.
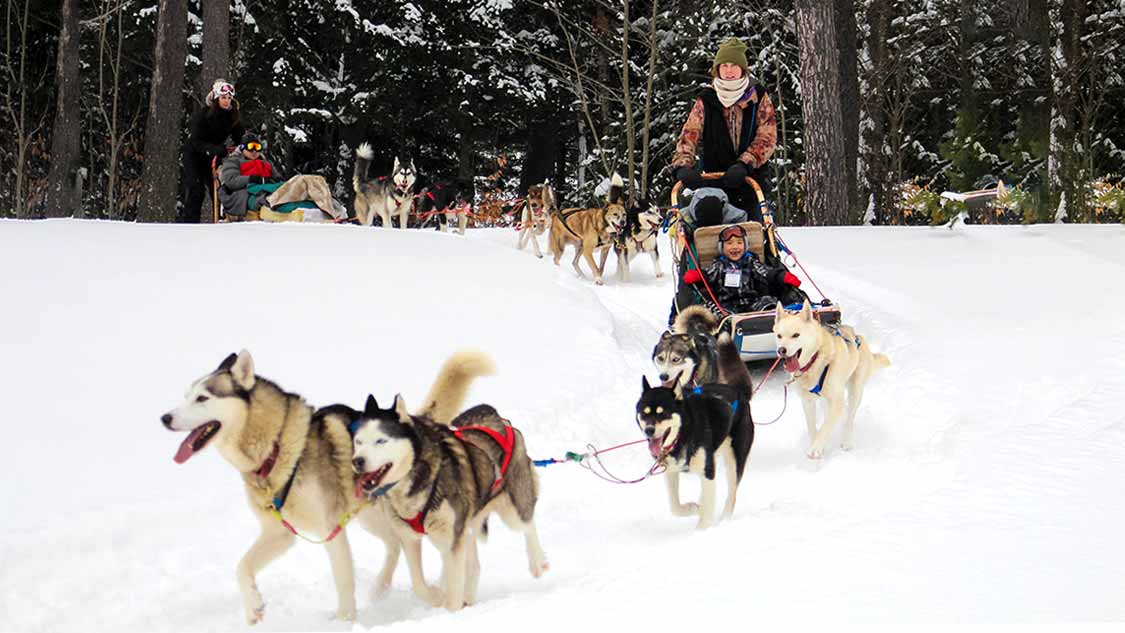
<point x="785" y="247"/>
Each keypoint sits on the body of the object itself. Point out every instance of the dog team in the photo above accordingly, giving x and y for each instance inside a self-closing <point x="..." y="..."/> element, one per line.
<point x="440" y="472"/>
<point x="590" y="231"/>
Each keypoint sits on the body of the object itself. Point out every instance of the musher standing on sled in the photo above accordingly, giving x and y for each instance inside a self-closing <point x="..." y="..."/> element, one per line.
<point x="735" y="121"/>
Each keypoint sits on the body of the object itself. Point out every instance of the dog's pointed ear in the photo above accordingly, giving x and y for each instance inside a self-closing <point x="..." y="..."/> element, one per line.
<point x="666" y="335"/>
<point x="400" y="410"/>
<point x="779" y="313"/>
<point x="806" y="311"/>
<point x="243" y="370"/>
<point x="370" y="408"/>
<point x="644" y="384"/>
<point x="395" y="168"/>
<point x="228" y="362"/>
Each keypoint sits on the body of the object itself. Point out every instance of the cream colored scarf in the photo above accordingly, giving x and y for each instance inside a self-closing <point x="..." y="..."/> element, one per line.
<point x="730" y="91"/>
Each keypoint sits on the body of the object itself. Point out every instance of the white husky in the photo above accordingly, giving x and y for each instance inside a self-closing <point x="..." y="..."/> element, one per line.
<point x="825" y="363"/>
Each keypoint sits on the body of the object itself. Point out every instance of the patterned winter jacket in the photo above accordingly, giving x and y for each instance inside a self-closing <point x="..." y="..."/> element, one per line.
<point x="757" y="286"/>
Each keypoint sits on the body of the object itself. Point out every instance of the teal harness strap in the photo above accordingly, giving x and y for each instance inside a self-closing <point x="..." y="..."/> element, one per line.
<point x="734" y="404"/>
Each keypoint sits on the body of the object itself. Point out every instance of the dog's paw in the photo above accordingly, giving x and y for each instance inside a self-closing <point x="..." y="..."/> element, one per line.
<point x="381" y="587"/>
<point x="704" y="524"/>
<point x="815" y="453"/>
<point x="346" y="614"/>
<point x="659" y="274"/>
<point x="599" y="281"/>
<point x="538" y="568"/>
<point x="255" y="615"/>
<point x="685" y="510"/>
<point x="847" y="445"/>
<point x="431" y="595"/>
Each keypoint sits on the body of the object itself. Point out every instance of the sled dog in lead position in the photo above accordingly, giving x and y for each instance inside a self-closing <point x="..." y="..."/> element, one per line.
<point x="300" y="461"/>
<point x="443" y="481"/>
<point x="688" y="431"/>
<point x="386" y="196"/>
<point x="825" y="364"/>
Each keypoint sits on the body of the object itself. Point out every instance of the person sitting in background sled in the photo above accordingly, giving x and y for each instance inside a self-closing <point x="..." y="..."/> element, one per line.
<point x="734" y="119"/>
<point x="250" y="183"/>
<point x="209" y="130"/>
<point x="245" y="177"/>
<point x="738" y="280"/>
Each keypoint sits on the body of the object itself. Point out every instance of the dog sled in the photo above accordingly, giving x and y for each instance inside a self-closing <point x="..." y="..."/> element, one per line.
<point x="693" y="247"/>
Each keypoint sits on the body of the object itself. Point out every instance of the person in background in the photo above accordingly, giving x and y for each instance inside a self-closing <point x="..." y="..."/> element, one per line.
<point x="209" y="131"/>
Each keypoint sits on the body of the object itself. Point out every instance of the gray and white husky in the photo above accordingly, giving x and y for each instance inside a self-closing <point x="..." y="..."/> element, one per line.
<point x="443" y="481"/>
<point x="386" y="196"/>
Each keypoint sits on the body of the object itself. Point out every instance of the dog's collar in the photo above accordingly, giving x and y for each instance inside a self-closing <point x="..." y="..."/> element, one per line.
<point x="264" y="470"/>
<point x="381" y="490"/>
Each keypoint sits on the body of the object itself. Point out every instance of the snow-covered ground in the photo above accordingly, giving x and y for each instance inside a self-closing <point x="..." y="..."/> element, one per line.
<point x="986" y="485"/>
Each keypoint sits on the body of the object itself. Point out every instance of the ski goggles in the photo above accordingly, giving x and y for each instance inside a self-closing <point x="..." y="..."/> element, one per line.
<point x="254" y="147"/>
<point x="731" y="232"/>
<point x="224" y="90"/>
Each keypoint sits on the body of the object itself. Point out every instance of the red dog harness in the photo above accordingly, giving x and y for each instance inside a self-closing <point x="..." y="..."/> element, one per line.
<point x="506" y="441"/>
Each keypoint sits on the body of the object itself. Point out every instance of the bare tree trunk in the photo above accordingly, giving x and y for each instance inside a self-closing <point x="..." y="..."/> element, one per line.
<point x="627" y="97"/>
<point x="645" y="134"/>
<point x="1062" y="165"/>
<point x="17" y="106"/>
<point x="216" y="44"/>
<point x="64" y="194"/>
<point x="157" y="202"/>
<point x="826" y="179"/>
<point x="849" y="98"/>
<point x="874" y="142"/>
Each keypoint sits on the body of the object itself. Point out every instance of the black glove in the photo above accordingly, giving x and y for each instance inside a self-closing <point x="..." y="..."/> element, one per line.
<point x="735" y="176"/>
<point x="256" y="180"/>
<point x="691" y="177"/>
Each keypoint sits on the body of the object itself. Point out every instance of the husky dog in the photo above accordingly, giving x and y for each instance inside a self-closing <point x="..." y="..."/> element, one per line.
<point x="589" y="230"/>
<point x="689" y="352"/>
<point x="642" y="227"/>
<point x="536" y="215"/>
<point x="296" y="465"/>
<point x="443" y="481"/>
<point x="384" y="196"/>
<point x="449" y="199"/>
<point x="687" y="433"/>
<point x="825" y="363"/>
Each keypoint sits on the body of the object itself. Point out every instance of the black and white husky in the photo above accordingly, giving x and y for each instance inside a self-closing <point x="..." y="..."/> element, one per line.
<point x="386" y="196"/>
<point x="688" y="430"/>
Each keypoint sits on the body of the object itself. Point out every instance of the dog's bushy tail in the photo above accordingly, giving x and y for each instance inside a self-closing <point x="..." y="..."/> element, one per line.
<point x="363" y="157"/>
<point x="447" y="395"/>
<point x="694" y="320"/>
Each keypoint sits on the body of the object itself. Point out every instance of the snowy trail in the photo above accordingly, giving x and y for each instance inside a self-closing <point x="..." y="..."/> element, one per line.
<point x="984" y="486"/>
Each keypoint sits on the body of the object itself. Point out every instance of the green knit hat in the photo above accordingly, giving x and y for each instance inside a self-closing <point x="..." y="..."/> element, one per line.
<point x="732" y="51"/>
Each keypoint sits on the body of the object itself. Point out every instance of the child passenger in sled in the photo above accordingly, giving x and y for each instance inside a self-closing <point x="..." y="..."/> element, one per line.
<point x="738" y="280"/>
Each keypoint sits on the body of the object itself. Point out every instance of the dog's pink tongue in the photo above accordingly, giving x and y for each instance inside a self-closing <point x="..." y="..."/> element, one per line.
<point x="792" y="363"/>
<point x="359" y="488"/>
<point x="186" y="451"/>
<point x="655" y="446"/>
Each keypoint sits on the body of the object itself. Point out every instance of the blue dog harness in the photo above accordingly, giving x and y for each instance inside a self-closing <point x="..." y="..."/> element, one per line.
<point x="820" y="383"/>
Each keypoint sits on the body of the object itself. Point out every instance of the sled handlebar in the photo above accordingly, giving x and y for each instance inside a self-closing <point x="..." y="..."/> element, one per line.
<point x="767" y="213"/>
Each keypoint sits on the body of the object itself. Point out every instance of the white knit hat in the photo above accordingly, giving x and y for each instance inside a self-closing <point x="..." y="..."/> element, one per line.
<point x="220" y="87"/>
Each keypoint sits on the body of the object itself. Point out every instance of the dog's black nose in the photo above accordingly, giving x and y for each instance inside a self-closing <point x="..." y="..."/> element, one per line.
<point x="781" y="351"/>
<point x="663" y="377"/>
<point x="649" y="431"/>
<point x="167" y="420"/>
<point x="358" y="463"/>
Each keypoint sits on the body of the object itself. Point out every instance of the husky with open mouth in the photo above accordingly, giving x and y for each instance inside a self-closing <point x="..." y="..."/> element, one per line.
<point x="826" y="363"/>
<point x="296" y="466"/>
<point x="442" y="481"/>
